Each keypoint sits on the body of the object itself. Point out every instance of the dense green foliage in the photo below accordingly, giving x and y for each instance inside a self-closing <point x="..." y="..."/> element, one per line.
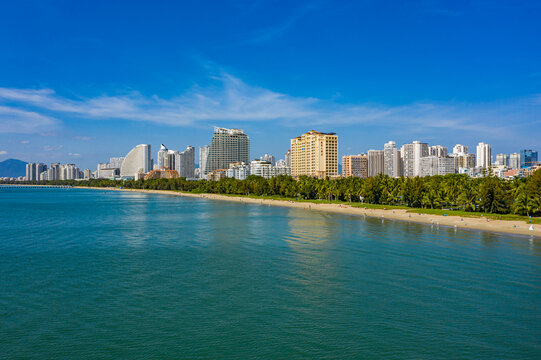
<point x="458" y="192"/>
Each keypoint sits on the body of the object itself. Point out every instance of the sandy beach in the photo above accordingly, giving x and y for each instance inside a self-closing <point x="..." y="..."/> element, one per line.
<point x="498" y="226"/>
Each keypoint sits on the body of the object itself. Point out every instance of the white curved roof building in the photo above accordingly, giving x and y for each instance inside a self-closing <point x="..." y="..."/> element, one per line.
<point x="161" y="156"/>
<point x="138" y="160"/>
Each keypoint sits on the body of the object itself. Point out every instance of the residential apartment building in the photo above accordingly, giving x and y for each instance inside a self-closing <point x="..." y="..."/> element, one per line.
<point x="411" y="157"/>
<point x="355" y="165"/>
<point x="314" y="154"/>
<point x="514" y="161"/>
<point x="484" y="155"/>
<point x="392" y="162"/>
<point x="376" y="162"/>
<point x="227" y="146"/>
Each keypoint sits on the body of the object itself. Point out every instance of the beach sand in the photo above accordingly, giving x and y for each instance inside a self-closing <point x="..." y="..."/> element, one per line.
<point x="498" y="226"/>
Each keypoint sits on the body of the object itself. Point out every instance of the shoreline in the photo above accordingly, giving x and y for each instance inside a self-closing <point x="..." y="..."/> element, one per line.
<point x="496" y="226"/>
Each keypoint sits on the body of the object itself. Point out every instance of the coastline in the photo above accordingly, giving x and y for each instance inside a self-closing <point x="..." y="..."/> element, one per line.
<point x="497" y="226"/>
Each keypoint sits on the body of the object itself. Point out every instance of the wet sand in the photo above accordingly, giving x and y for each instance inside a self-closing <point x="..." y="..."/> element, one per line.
<point x="499" y="226"/>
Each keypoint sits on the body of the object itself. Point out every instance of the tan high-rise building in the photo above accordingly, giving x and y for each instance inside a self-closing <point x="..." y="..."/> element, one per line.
<point x="355" y="165"/>
<point x="314" y="154"/>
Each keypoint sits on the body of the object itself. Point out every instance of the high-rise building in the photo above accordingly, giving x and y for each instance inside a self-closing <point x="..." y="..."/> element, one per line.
<point x="185" y="163"/>
<point x="239" y="171"/>
<point x="528" y="158"/>
<point x="446" y="165"/>
<point x="137" y="161"/>
<point x="314" y="154"/>
<point x="392" y="163"/>
<point x="438" y="151"/>
<point x="268" y="158"/>
<point x="484" y="155"/>
<point x="428" y="166"/>
<point x="227" y="146"/>
<point x="70" y="172"/>
<point x="355" y="165"/>
<point x="462" y="160"/>
<point x="87" y="174"/>
<point x="54" y="172"/>
<point x="501" y="160"/>
<point x="434" y="165"/>
<point x="281" y="168"/>
<point x="287" y="158"/>
<point x="203" y="155"/>
<point x="33" y="171"/>
<point x="162" y="154"/>
<point x="115" y="162"/>
<point x="514" y="161"/>
<point x="376" y="162"/>
<point x="460" y="149"/>
<point x="411" y="157"/>
<point x="261" y="168"/>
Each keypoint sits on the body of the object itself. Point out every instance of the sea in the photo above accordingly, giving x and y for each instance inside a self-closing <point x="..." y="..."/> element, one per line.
<point x="97" y="274"/>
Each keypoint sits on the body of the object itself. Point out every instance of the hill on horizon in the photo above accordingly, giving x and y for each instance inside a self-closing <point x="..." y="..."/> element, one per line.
<point x="12" y="168"/>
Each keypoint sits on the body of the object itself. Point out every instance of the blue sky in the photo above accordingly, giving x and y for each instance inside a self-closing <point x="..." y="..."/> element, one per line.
<point x="84" y="81"/>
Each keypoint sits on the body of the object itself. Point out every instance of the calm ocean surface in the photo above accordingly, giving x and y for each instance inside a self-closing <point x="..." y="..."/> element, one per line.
<point x="91" y="274"/>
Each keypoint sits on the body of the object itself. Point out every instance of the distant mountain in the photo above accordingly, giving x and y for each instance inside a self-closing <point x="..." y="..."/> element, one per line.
<point x="12" y="168"/>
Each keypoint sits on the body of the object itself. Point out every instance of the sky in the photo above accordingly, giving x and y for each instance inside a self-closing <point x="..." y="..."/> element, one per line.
<point x="84" y="81"/>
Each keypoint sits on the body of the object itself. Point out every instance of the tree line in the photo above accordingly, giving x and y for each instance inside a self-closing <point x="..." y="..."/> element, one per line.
<point x="458" y="192"/>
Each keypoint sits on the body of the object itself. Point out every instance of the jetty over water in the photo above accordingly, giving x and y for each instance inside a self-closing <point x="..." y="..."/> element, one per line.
<point x="8" y="186"/>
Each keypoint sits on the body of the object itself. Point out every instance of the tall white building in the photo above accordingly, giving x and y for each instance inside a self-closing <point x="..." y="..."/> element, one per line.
<point x="438" y="151"/>
<point x="460" y="149"/>
<point x="185" y="165"/>
<point x="376" y="162"/>
<point x="433" y="165"/>
<point x="428" y="166"/>
<point x="392" y="163"/>
<point x="411" y="157"/>
<point x="70" y="172"/>
<point x="54" y="172"/>
<point x="87" y="174"/>
<point x="239" y="171"/>
<point x="203" y="155"/>
<point x="262" y="168"/>
<point x="281" y="168"/>
<point x="33" y="171"/>
<point x="115" y="162"/>
<point x="514" y="161"/>
<point x="288" y="158"/>
<point x="501" y="160"/>
<point x="137" y="161"/>
<point x="446" y="165"/>
<point x="162" y="154"/>
<point x="269" y="158"/>
<point x="484" y="155"/>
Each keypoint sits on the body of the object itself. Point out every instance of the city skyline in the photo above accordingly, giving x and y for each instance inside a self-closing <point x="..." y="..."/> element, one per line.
<point x="430" y="74"/>
<point x="313" y="153"/>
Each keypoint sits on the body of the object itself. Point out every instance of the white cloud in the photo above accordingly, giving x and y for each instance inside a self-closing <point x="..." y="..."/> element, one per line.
<point x="74" y="154"/>
<point x="14" y="120"/>
<point x="231" y="99"/>
<point x="52" y="147"/>
<point x="3" y="152"/>
<point x="83" y="138"/>
<point x="25" y="142"/>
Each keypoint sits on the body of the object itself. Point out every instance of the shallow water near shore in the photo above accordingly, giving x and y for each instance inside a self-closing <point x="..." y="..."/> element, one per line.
<point x="107" y="274"/>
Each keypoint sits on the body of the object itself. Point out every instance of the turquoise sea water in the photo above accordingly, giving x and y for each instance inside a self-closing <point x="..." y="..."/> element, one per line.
<point x="91" y="274"/>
